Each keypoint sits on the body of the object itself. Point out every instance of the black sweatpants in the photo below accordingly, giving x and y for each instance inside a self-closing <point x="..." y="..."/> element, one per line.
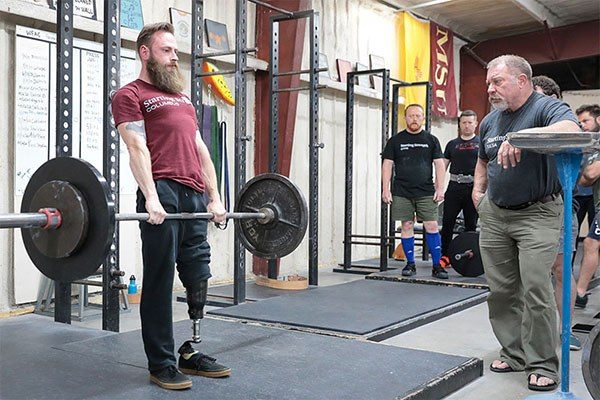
<point x="182" y="242"/>
<point x="457" y="198"/>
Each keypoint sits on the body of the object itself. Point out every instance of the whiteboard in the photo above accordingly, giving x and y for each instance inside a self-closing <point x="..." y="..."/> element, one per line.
<point x="35" y="116"/>
<point x="35" y="103"/>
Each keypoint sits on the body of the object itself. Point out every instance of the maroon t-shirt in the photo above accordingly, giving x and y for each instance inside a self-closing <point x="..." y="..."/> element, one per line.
<point x="171" y="125"/>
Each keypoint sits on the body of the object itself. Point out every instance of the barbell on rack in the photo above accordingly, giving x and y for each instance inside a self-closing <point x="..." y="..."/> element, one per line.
<point x="68" y="218"/>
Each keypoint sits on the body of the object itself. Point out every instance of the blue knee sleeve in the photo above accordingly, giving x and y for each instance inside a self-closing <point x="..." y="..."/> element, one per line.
<point x="408" y="245"/>
<point x="435" y="247"/>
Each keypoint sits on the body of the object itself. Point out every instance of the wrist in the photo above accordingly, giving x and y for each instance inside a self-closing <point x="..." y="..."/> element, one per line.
<point x="151" y="196"/>
<point x="213" y="197"/>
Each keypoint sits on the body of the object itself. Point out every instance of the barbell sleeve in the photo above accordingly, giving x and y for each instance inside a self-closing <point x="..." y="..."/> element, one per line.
<point x="25" y="220"/>
<point x="466" y="254"/>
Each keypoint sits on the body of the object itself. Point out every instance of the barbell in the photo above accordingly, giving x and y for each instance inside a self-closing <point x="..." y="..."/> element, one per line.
<point x="464" y="254"/>
<point x="68" y="218"/>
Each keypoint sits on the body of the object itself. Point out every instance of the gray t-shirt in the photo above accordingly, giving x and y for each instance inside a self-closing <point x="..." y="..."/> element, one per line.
<point x="535" y="176"/>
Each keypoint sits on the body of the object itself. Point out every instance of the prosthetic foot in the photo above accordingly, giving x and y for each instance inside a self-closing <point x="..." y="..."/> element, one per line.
<point x="192" y="361"/>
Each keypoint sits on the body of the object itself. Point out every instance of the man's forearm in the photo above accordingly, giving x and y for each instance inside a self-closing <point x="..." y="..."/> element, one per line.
<point x="141" y="167"/>
<point x="590" y="174"/>
<point x="480" y="182"/>
<point x="209" y="174"/>
<point x="440" y="172"/>
<point x="210" y="179"/>
<point x="560" y="126"/>
<point x="386" y="176"/>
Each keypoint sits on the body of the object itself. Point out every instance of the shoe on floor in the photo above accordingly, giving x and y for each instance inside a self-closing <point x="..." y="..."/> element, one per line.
<point x="409" y="270"/>
<point x="171" y="378"/>
<point x="195" y="363"/>
<point x="574" y="343"/>
<point x="445" y="262"/>
<point x="438" y="272"/>
<point x="581" y="301"/>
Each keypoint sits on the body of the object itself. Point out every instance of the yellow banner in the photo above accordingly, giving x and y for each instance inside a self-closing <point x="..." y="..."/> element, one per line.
<point x="414" y="56"/>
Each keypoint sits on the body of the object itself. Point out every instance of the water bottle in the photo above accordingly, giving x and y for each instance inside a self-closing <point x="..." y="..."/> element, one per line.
<point x="132" y="288"/>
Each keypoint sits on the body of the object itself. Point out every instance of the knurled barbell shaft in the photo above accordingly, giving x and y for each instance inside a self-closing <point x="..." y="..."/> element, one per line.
<point x="179" y="216"/>
<point x="32" y="220"/>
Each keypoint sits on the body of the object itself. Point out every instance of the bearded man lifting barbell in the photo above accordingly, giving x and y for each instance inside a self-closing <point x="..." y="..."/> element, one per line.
<point x="173" y="169"/>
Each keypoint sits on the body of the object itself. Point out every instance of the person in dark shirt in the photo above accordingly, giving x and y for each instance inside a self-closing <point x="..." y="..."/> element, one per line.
<point x="589" y="117"/>
<point x="517" y="196"/>
<point x="413" y="152"/>
<point x="461" y="155"/>
<point x="173" y="169"/>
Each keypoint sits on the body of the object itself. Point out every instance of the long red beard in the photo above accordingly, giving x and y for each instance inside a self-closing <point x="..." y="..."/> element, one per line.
<point x="168" y="81"/>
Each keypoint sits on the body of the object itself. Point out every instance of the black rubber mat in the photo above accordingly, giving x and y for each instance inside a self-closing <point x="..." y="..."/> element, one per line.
<point x="38" y="362"/>
<point x="369" y="308"/>
<point x="371" y="267"/>
<point x="424" y="276"/>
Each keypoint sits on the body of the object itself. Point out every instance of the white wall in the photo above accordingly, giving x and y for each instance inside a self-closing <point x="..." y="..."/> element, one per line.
<point x="351" y="30"/>
<point x="578" y="98"/>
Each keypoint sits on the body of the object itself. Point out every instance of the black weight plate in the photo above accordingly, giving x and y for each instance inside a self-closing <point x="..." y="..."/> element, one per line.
<point x="466" y="266"/>
<point x="590" y="362"/>
<point x="95" y="192"/>
<point x="64" y="241"/>
<point x="284" y="234"/>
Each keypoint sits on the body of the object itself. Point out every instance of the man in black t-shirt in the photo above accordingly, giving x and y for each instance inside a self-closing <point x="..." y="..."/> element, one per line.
<point x="461" y="155"/>
<point x="517" y="195"/>
<point x="412" y="152"/>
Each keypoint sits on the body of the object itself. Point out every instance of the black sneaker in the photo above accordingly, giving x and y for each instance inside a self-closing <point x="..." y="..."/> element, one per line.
<point x="409" y="270"/>
<point x="171" y="378"/>
<point x="438" y="272"/>
<point x="195" y="363"/>
<point x="581" y="301"/>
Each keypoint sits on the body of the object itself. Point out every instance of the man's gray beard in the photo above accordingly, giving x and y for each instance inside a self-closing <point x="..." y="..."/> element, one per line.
<point x="500" y="106"/>
<point x="165" y="80"/>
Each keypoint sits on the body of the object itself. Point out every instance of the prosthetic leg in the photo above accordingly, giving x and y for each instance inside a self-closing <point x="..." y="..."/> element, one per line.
<point x="192" y="361"/>
<point x="196" y="299"/>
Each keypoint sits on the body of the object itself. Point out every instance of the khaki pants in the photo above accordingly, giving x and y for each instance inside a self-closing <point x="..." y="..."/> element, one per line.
<point x="518" y="248"/>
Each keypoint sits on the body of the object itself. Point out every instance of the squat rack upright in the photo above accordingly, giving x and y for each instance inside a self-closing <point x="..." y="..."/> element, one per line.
<point x="387" y="236"/>
<point x="64" y="139"/>
<point x="241" y="137"/>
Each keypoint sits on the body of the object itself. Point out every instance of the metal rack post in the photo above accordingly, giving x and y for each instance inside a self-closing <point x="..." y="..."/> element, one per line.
<point x="314" y="145"/>
<point x="239" y="274"/>
<point x="111" y="64"/>
<point x="348" y="242"/>
<point x="64" y="124"/>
